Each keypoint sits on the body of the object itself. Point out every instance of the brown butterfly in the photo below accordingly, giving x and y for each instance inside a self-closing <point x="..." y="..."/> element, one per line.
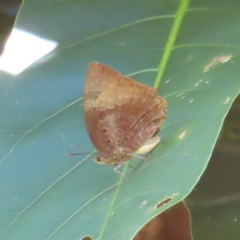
<point x="122" y="116"/>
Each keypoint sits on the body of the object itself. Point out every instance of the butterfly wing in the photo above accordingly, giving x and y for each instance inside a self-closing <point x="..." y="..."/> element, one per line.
<point x="129" y="114"/>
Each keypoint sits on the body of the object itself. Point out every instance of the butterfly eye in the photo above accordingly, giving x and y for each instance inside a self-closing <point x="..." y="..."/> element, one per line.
<point x="98" y="160"/>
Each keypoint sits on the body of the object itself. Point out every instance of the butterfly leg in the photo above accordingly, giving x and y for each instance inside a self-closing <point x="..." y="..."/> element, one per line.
<point x="118" y="172"/>
<point x="129" y="165"/>
<point x="136" y="156"/>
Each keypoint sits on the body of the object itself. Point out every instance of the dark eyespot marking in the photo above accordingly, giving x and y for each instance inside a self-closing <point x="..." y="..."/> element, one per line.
<point x="104" y="130"/>
<point x="132" y="119"/>
<point x="109" y="141"/>
<point x="126" y="138"/>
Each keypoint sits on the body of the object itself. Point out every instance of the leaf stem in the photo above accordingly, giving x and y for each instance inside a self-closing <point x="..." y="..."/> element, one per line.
<point x="171" y="40"/>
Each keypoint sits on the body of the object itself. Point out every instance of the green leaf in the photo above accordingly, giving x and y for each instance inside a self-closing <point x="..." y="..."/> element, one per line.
<point x="191" y="47"/>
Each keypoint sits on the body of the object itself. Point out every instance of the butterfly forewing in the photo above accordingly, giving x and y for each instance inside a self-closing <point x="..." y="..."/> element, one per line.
<point x="96" y="80"/>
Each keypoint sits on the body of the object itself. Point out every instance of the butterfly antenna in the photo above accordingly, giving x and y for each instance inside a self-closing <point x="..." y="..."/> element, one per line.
<point x="75" y="154"/>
